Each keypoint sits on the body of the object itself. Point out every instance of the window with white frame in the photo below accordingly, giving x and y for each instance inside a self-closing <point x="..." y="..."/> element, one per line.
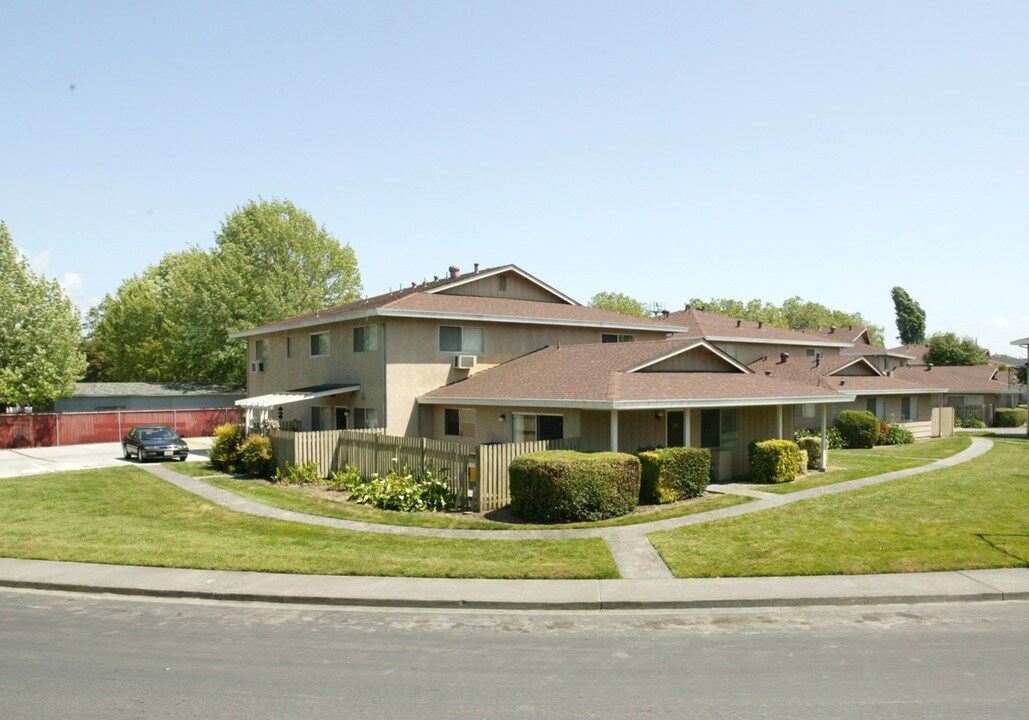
<point x="260" y="350"/>
<point x="459" y="422"/>
<point x="616" y="338"/>
<point x="530" y="427"/>
<point x="454" y="338"/>
<point x="321" y="417"/>
<point x="320" y="344"/>
<point x="366" y="418"/>
<point x="719" y="427"/>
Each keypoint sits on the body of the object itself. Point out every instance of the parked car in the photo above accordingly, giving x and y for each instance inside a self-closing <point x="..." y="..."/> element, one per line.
<point x="153" y="442"/>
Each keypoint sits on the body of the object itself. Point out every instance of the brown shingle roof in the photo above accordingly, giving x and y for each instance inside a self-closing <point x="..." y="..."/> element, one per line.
<point x="702" y="323"/>
<point x="802" y="369"/>
<point x="597" y="374"/>
<point x="916" y="351"/>
<point x="978" y="379"/>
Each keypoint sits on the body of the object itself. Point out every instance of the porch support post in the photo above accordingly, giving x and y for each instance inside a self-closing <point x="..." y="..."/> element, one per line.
<point x="614" y="431"/>
<point x="687" y="431"/>
<point x="778" y="421"/>
<point x="825" y="439"/>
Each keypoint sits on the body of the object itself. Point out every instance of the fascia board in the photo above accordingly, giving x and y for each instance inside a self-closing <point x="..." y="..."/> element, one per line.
<point x="472" y="277"/>
<point x="775" y="341"/>
<point x="909" y="391"/>
<point x="679" y="351"/>
<point x="513" y="320"/>
<point x="638" y="404"/>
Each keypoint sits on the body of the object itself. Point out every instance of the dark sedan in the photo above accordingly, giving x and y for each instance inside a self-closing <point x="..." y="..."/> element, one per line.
<point x="153" y="442"/>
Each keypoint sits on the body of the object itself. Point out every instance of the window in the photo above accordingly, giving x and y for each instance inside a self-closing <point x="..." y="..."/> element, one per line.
<point x="461" y="339"/>
<point x="909" y="408"/>
<point x="366" y="418"/>
<point x="289" y="346"/>
<point x="320" y="344"/>
<point x="366" y="338"/>
<point x="615" y="338"/>
<point x="459" y="423"/>
<point x="530" y="428"/>
<point x="810" y="352"/>
<point x="502" y="283"/>
<point x="872" y="406"/>
<point x="804" y="412"/>
<point x="321" y="418"/>
<point x="718" y="427"/>
<point x="260" y="350"/>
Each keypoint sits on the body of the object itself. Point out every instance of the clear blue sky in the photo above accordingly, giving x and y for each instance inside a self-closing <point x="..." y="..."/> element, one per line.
<point x="665" y="150"/>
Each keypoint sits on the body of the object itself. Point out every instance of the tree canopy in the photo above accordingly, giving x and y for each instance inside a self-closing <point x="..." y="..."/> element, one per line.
<point x="949" y="349"/>
<point x="795" y="313"/>
<point x="620" y="303"/>
<point x="270" y="261"/>
<point x="40" y="331"/>
<point x="910" y="318"/>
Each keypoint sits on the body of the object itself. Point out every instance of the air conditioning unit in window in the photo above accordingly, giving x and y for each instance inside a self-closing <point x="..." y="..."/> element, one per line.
<point x="257" y="366"/>
<point x="465" y="362"/>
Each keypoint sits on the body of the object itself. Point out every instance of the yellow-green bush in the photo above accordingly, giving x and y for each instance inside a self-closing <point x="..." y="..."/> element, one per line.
<point x="774" y="461"/>
<point x="566" y="486"/>
<point x="670" y="474"/>
<point x="225" y="450"/>
<point x="257" y="457"/>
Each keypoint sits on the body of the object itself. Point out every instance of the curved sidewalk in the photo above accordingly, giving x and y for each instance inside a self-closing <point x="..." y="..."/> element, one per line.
<point x="632" y="551"/>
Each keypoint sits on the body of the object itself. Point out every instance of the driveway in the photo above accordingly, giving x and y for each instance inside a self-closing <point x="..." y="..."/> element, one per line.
<point x="32" y="461"/>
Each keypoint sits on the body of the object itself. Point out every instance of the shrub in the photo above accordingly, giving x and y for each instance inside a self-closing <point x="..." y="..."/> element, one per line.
<point x="1009" y="417"/>
<point x="405" y="491"/>
<point x="803" y="463"/>
<point x="973" y="422"/>
<point x="225" y="449"/>
<point x="670" y="474"/>
<point x="346" y="478"/>
<point x="957" y="420"/>
<point x="884" y="430"/>
<point x="256" y="456"/>
<point x="567" y="486"/>
<point x="306" y="474"/>
<point x="897" y="435"/>
<point x="859" y="428"/>
<point x="774" y="461"/>
<point x="813" y="447"/>
<point x="832" y="436"/>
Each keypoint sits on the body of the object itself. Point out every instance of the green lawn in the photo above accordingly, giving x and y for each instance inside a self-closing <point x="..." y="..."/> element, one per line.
<point x="126" y="516"/>
<point x="194" y="469"/>
<point x="974" y="515"/>
<point x="299" y="500"/>
<point x="854" y="464"/>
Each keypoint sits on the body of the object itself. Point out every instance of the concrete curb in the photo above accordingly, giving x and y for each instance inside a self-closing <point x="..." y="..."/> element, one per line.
<point x="593" y="595"/>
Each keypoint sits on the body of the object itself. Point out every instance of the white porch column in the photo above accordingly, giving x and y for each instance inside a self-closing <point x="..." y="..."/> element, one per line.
<point x="778" y="421"/>
<point x="825" y="439"/>
<point x="614" y="431"/>
<point x="687" y="431"/>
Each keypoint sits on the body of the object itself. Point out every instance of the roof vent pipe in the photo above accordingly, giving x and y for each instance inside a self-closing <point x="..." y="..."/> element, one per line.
<point x="476" y="271"/>
<point x="455" y="271"/>
<point x="832" y="329"/>
<point x="928" y="367"/>
<point x="665" y="313"/>
<point x="784" y="357"/>
<point x="738" y="323"/>
<point x="760" y="324"/>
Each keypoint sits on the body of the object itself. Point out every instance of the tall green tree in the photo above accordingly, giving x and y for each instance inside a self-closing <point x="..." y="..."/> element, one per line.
<point x="270" y="261"/>
<point x="40" y="333"/>
<point x="949" y="349"/>
<point x="619" y="303"/>
<point x="910" y="317"/>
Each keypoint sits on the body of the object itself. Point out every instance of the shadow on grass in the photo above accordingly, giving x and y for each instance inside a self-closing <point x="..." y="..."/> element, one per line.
<point x="985" y="537"/>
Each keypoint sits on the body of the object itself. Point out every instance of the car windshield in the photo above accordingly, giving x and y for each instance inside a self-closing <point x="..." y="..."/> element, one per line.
<point x="157" y="434"/>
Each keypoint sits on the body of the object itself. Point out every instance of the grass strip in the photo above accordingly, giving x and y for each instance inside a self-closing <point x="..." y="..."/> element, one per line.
<point x="301" y="500"/>
<point x="125" y="516"/>
<point x="974" y="515"/>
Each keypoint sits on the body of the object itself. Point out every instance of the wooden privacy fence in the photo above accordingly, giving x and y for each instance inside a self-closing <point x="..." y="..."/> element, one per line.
<point x="371" y="452"/>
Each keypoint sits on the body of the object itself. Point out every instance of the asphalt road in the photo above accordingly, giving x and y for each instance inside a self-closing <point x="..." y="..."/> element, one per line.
<point x="72" y="656"/>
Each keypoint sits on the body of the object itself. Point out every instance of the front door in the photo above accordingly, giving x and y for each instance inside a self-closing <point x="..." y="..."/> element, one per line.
<point x="341" y="418"/>
<point x="676" y="438"/>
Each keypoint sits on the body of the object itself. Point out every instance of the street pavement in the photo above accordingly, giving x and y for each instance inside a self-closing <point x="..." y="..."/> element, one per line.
<point x="33" y="461"/>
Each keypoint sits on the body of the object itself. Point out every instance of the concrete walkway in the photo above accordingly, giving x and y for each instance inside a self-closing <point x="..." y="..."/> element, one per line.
<point x="633" y="553"/>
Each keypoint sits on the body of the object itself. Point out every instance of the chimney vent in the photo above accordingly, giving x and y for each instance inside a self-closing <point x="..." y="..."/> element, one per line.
<point x="768" y="373"/>
<point x="455" y="271"/>
<point x="784" y="357"/>
<point x="476" y="271"/>
<point x="832" y="329"/>
<point x="665" y="313"/>
<point x="738" y="323"/>
<point x="760" y="324"/>
<point x="928" y="367"/>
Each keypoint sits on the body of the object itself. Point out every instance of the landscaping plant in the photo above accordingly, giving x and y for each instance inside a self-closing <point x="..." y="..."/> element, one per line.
<point x="832" y="436"/>
<point x="972" y="422"/>
<point x="257" y="457"/>
<point x="859" y="428"/>
<point x="897" y="435"/>
<point x="306" y="474"/>
<point x="774" y="461"/>
<point x="567" y="486"/>
<point x="407" y="491"/>
<point x="670" y="474"/>
<point x="813" y="447"/>
<point x="225" y="449"/>
<point x="1009" y="417"/>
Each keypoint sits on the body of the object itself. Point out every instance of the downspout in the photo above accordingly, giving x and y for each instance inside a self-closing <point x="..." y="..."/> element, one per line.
<point x="825" y="439"/>
<point x="385" y="388"/>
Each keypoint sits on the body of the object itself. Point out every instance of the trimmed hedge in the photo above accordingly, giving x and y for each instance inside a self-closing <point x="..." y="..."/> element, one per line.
<point x="832" y="435"/>
<point x="973" y="422"/>
<point x="257" y="457"/>
<point x="774" y="461"/>
<point x="1009" y="417"/>
<point x="568" y="486"/>
<point x="813" y="446"/>
<point x="225" y="449"/>
<point x="670" y="474"/>
<point x="859" y="428"/>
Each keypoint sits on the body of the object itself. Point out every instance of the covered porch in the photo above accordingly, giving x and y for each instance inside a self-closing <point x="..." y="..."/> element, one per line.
<point x="262" y="408"/>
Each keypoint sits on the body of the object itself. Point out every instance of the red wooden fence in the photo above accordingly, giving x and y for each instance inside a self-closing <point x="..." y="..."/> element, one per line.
<point x="44" y="429"/>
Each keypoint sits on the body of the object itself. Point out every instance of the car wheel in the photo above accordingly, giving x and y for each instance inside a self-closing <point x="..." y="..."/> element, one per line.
<point x="125" y="451"/>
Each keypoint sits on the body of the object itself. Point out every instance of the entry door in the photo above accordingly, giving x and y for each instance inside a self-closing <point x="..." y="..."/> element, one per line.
<point x="675" y="429"/>
<point x="341" y="418"/>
